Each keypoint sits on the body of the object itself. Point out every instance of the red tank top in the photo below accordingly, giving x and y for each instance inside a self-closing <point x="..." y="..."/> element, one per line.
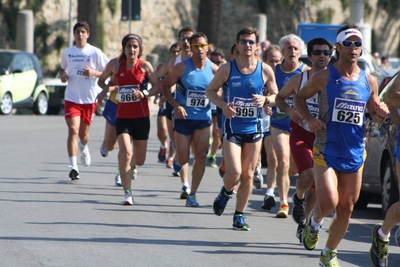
<point x="127" y="80"/>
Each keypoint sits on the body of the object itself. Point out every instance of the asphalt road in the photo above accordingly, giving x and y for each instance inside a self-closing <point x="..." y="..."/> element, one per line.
<point x="48" y="220"/>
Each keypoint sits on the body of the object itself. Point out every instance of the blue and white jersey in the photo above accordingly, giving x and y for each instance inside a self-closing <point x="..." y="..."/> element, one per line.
<point x="191" y="88"/>
<point x="342" y="105"/>
<point x="239" y="89"/>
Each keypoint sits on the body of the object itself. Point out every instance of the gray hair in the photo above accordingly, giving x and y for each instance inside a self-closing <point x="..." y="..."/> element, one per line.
<point x="288" y="37"/>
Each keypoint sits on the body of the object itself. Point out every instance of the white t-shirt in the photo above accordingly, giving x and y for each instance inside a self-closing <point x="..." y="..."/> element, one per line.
<point x="82" y="89"/>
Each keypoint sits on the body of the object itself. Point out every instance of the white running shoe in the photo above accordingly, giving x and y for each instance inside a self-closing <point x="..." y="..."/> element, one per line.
<point x="128" y="200"/>
<point x="118" y="181"/>
<point x="103" y="151"/>
<point x="85" y="157"/>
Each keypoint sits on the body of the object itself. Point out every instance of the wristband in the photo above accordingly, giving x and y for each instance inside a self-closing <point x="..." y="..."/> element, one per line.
<point x="145" y="93"/>
<point x="266" y="102"/>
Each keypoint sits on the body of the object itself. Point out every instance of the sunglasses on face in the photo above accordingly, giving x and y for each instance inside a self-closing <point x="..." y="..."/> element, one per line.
<point x="199" y="45"/>
<point x="184" y="38"/>
<point x="348" y="43"/>
<point x="319" y="52"/>
<point x="175" y="51"/>
<point x="244" y="41"/>
<point x="217" y="62"/>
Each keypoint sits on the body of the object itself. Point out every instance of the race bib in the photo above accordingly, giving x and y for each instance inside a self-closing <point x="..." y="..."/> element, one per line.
<point x="348" y="111"/>
<point x="125" y="93"/>
<point x="244" y="108"/>
<point x="196" y="99"/>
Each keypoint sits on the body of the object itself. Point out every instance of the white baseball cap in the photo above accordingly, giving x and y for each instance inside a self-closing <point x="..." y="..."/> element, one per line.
<point x="344" y="35"/>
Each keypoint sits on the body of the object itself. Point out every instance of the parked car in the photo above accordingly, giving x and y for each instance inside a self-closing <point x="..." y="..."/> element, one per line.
<point x="383" y="76"/>
<point x="379" y="173"/>
<point x="56" y="90"/>
<point x="21" y="82"/>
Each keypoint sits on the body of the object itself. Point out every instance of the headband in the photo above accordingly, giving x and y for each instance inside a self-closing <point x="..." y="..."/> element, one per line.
<point x="344" y="35"/>
<point x="129" y="37"/>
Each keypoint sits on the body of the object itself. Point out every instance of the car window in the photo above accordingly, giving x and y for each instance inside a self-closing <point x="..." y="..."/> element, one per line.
<point x="5" y="59"/>
<point x="22" y="63"/>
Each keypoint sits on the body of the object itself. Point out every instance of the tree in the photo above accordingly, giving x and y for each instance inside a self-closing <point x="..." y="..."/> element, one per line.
<point x="88" y="11"/>
<point x="209" y="15"/>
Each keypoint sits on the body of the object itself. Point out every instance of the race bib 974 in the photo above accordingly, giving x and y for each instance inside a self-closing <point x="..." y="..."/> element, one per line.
<point x="196" y="99"/>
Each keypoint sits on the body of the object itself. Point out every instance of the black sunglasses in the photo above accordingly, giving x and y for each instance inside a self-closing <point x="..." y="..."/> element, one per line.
<point x="216" y="61"/>
<point x="244" y="41"/>
<point x="185" y="38"/>
<point x="319" y="52"/>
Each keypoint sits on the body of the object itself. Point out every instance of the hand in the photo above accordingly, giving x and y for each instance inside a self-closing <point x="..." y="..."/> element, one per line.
<point x="180" y="112"/>
<point x="137" y="94"/>
<point x="315" y="125"/>
<point x="100" y="97"/>
<point x="268" y="110"/>
<point x="294" y="115"/>
<point x="258" y="100"/>
<point x="89" y="72"/>
<point x="382" y="109"/>
<point x="228" y="111"/>
<point x="64" y="77"/>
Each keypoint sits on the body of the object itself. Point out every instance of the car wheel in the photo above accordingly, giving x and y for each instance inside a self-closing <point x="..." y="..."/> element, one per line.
<point x="41" y="104"/>
<point x="386" y="185"/>
<point x="362" y="201"/>
<point x="6" y="105"/>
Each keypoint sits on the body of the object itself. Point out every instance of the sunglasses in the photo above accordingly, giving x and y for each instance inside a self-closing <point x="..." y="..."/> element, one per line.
<point x="348" y="44"/>
<point x="185" y="38"/>
<point x="319" y="52"/>
<point x="175" y="51"/>
<point x="216" y="62"/>
<point x="244" y="41"/>
<point x="199" y="45"/>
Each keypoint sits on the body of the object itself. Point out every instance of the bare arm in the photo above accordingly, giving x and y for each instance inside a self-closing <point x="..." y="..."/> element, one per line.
<point x="217" y="82"/>
<point x="271" y="89"/>
<point x="378" y="110"/>
<point x="155" y="82"/>
<point x="314" y="85"/>
<point x="290" y="88"/>
<point x="171" y="79"/>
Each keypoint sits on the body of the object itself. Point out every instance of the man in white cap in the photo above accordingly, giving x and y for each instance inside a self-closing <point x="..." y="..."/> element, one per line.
<point x="345" y="92"/>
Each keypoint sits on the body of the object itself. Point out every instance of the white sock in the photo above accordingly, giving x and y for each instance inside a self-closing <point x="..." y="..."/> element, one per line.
<point x="382" y="235"/>
<point x="82" y="147"/>
<point x="315" y="225"/>
<point x="284" y="202"/>
<point x="73" y="162"/>
<point x="270" y="191"/>
<point x="325" y="250"/>
<point x="185" y="184"/>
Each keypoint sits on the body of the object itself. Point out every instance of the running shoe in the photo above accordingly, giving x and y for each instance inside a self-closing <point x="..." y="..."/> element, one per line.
<point x="74" y="174"/>
<point x="103" y="151"/>
<point x="176" y="174"/>
<point x="85" y="157"/>
<point x="169" y="163"/>
<point x="283" y="211"/>
<point x="222" y="169"/>
<point x="185" y="192"/>
<point x="269" y="202"/>
<point x="239" y="223"/>
<point x="329" y="259"/>
<point x="379" y="252"/>
<point x="191" y="201"/>
<point x="128" y="200"/>
<point x="397" y="236"/>
<point x="176" y="166"/>
<point x="258" y="180"/>
<point x="117" y="179"/>
<point x="161" y="154"/>
<point x="310" y="236"/>
<point x="299" y="232"/>
<point x="134" y="172"/>
<point x="212" y="162"/>
<point x="299" y="209"/>
<point x="221" y="201"/>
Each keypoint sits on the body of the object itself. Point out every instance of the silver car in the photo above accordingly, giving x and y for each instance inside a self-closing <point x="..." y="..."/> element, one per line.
<point x="379" y="174"/>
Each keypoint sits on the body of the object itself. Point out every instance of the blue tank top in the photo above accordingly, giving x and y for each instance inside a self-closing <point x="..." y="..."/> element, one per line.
<point x="191" y="88"/>
<point x="239" y="89"/>
<point x="341" y="107"/>
<point x="279" y="119"/>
